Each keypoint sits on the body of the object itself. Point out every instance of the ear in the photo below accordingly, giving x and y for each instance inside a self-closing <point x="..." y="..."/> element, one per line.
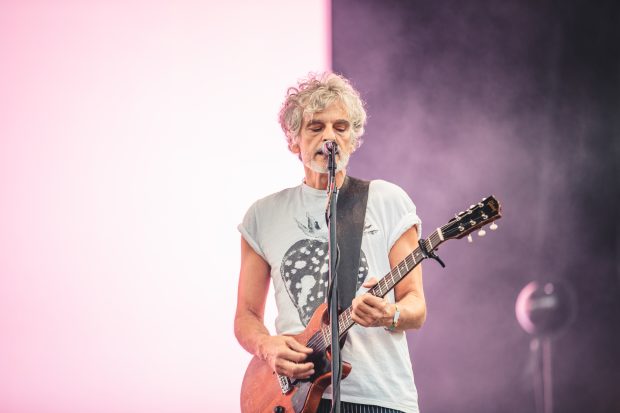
<point x="294" y="147"/>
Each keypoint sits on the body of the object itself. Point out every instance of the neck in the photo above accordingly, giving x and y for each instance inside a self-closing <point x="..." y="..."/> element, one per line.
<point x="319" y="181"/>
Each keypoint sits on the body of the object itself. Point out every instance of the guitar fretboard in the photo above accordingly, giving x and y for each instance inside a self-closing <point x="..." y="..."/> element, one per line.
<point x="461" y="225"/>
<point x="396" y="274"/>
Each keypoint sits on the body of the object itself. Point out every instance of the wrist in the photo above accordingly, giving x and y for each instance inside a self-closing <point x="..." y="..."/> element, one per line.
<point x="260" y="350"/>
<point x="395" y="318"/>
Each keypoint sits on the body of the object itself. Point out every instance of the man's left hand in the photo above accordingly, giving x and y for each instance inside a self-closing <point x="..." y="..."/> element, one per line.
<point x="371" y="311"/>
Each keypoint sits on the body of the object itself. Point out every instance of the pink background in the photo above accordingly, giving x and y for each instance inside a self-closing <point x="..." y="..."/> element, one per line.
<point x="133" y="136"/>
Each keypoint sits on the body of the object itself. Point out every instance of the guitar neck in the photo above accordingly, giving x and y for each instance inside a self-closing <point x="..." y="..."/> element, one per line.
<point x="388" y="282"/>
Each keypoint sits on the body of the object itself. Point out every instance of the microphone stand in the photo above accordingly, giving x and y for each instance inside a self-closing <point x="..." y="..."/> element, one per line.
<point x="336" y="362"/>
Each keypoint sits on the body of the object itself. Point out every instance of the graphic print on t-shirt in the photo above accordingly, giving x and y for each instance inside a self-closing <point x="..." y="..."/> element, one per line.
<point x="305" y="269"/>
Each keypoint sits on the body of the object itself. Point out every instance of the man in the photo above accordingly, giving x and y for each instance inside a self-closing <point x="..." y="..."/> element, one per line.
<point x="284" y="240"/>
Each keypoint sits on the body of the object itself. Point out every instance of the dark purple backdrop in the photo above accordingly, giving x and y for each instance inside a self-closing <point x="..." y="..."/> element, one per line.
<point x="517" y="99"/>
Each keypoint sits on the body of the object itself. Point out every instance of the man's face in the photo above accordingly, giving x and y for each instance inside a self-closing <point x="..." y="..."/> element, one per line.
<point x="330" y="124"/>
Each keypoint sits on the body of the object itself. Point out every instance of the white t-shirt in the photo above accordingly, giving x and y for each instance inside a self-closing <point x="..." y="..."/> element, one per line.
<point x="288" y="230"/>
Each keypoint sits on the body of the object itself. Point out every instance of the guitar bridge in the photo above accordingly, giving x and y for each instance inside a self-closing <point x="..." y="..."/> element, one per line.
<point x="285" y="383"/>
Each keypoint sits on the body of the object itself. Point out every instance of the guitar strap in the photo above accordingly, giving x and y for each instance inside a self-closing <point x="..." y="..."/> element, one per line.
<point x="352" y="200"/>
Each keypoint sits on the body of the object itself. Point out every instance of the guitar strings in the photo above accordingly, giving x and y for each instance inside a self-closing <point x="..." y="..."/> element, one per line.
<point x="396" y="274"/>
<point x="317" y="341"/>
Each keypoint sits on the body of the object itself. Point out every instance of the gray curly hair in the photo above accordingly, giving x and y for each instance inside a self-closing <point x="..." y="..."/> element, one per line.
<point x="313" y="94"/>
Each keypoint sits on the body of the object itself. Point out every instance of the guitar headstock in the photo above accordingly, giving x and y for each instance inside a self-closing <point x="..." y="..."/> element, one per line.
<point x="476" y="216"/>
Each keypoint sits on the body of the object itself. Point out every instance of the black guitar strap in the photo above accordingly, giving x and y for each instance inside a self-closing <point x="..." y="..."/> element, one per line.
<point x="352" y="200"/>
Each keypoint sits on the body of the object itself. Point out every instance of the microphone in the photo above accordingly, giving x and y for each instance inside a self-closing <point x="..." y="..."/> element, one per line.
<point x="328" y="147"/>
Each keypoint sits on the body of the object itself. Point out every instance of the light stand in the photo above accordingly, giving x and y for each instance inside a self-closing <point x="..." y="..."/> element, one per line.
<point x="544" y="310"/>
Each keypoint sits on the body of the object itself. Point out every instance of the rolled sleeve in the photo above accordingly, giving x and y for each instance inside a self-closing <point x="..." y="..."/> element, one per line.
<point x="249" y="230"/>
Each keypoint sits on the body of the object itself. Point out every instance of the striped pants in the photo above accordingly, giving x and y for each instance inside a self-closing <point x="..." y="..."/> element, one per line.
<point x="326" y="405"/>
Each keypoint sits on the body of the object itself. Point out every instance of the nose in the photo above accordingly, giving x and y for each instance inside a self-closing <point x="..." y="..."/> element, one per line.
<point x="329" y="134"/>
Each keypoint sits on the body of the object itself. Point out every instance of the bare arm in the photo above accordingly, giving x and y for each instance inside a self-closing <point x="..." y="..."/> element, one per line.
<point x="371" y="311"/>
<point x="283" y="353"/>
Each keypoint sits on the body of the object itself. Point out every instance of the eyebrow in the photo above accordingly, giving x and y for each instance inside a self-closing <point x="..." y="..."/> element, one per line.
<point x="320" y="122"/>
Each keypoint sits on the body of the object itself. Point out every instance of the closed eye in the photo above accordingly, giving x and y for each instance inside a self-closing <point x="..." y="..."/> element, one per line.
<point x="341" y="126"/>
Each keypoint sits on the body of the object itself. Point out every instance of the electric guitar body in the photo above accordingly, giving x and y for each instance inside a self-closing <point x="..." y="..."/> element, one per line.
<point x="265" y="391"/>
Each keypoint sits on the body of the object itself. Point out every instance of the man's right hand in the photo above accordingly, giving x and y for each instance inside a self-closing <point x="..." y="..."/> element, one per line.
<point x="286" y="356"/>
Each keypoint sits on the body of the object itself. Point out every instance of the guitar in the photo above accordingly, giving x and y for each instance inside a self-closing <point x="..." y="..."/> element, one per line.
<point x="264" y="391"/>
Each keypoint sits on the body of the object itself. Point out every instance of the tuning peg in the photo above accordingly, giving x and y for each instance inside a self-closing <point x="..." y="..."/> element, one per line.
<point x="469" y="238"/>
<point x="493" y="226"/>
<point x="482" y="233"/>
